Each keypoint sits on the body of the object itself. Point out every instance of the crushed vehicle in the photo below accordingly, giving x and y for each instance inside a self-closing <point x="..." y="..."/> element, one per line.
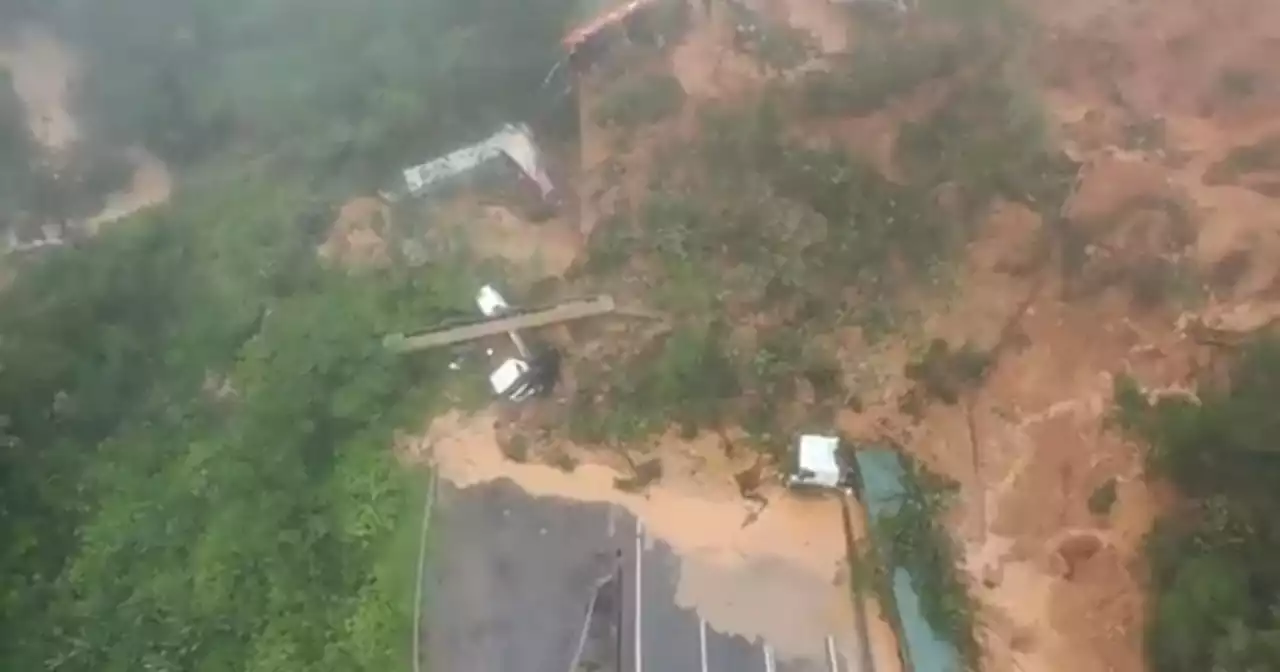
<point x="530" y="373"/>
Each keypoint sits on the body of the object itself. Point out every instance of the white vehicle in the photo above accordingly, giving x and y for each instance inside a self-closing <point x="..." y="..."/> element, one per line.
<point x="513" y="381"/>
<point x="517" y="378"/>
<point x="818" y="464"/>
<point x="492" y="304"/>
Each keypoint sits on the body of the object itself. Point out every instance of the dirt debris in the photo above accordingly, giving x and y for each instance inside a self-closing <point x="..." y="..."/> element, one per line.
<point x="1148" y="97"/>
<point x="535" y="250"/>
<point x="358" y="236"/>
<point x="151" y="185"/>
<point x="696" y="509"/>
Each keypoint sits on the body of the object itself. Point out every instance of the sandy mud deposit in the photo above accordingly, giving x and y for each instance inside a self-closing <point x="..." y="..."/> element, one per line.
<point x="777" y="573"/>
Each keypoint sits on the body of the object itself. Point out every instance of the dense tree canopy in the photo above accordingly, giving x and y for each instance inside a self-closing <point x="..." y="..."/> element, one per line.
<point x="1214" y="574"/>
<point x="196" y="471"/>
<point x="196" y="417"/>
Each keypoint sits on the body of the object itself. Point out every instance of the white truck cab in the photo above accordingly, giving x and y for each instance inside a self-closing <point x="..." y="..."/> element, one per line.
<point x="515" y="378"/>
<point x="490" y="302"/>
<point x="511" y="380"/>
<point x="817" y="464"/>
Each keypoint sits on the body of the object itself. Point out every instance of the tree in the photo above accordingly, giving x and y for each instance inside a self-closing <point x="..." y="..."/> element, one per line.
<point x="1216" y="585"/>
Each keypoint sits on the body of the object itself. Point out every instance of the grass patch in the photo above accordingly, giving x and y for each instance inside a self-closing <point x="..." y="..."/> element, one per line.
<point x="990" y="140"/>
<point x="774" y="45"/>
<point x="944" y="373"/>
<point x="878" y="69"/>
<point x="687" y="379"/>
<point x="1103" y="498"/>
<point x="1238" y="83"/>
<point x="1263" y="156"/>
<point x="983" y="12"/>
<point x="1156" y="281"/>
<point x="772" y="227"/>
<point x="641" y="100"/>
<point x="1130" y="403"/>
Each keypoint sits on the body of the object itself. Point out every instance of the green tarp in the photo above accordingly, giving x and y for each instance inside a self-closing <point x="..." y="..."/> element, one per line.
<point x="923" y="649"/>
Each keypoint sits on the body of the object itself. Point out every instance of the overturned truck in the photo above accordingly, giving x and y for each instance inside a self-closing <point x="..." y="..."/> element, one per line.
<point x="511" y="152"/>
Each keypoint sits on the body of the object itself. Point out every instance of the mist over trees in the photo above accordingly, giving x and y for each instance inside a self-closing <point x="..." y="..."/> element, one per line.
<point x="345" y="87"/>
<point x="17" y="153"/>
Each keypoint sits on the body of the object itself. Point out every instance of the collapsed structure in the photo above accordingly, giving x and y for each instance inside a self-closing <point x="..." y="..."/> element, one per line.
<point x="645" y="21"/>
<point x="587" y="38"/>
<point x="514" y="143"/>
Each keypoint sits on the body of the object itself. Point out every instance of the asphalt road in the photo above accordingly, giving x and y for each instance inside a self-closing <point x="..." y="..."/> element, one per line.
<point x="523" y="584"/>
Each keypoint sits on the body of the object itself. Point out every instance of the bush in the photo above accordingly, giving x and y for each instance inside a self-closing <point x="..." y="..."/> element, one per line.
<point x="1214" y="578"/>
<point x="152" y="518"/>
<point x="945" y="373"/>
<point x="643" y="100"/>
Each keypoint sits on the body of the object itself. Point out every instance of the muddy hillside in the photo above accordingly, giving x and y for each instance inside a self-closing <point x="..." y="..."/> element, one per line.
<point x="947" y="230"/>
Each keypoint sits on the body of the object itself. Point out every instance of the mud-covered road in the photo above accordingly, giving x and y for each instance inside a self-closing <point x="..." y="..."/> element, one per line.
<point x="512" y="578"/>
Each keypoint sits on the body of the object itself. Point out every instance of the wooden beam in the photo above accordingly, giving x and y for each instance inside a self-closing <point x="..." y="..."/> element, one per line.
<point x="564" y="312"/>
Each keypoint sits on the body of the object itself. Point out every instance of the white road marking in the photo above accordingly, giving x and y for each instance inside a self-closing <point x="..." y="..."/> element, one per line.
<point x="702" y="641"/>
<point x="612" y="520"/>
<point x="831" y="655"/>
<point x="427" y="507"/>
<point x="768" y="658"/>
<point x="638" y="642"/>
<point x="586" y="626"/>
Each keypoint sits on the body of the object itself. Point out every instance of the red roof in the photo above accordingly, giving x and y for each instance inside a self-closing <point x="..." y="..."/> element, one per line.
<point x="578" y="35"/>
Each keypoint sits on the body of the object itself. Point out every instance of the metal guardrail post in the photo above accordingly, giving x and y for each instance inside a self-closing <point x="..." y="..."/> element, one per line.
<point x="859" y="603"/>
<point x="427" y="507"/>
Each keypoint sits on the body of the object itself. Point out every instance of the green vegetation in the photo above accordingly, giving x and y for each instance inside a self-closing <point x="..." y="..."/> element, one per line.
<point x="816" y="238"/>
<point x="1238" y="83"/>
<point x="196" y="417"/>
<point x="1103" y="498"/>
<point x="943" y="373"/>
<point x="1263" y="156"/>
<point x="879" y="68"/>
<point x="990" y="140"/>
<point x="196" y="470"/>
<point x="759" y="220"/>
<point x="1154" y="278"/>
<point x="1214" y="578"/>
<point x="914" y="539"/>
<point x="642" y="100"/>
<point x="774" y="45"/>
<point x="685" y="379"/>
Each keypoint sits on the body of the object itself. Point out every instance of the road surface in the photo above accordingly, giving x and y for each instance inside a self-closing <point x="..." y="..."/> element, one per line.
<point x="524" y="584"/>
